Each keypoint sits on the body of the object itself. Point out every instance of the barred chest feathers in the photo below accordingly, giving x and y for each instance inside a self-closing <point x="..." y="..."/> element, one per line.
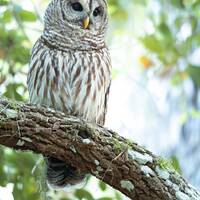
<point x="76" y="82"/>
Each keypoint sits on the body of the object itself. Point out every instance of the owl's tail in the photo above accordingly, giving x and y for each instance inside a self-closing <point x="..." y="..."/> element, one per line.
<point x="61" y="175"/>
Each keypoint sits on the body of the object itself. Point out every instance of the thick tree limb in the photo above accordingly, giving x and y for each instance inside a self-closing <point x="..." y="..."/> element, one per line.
<point x="127" y="167"/>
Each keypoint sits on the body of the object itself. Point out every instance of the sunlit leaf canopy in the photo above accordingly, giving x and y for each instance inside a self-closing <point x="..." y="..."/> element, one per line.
<point x="167" y="31"/>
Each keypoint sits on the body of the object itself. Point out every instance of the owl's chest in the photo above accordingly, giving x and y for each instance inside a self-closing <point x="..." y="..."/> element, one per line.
<point x="73" y="82"/>
<point x="86" y="77"/>
<point x="81" y="82"/>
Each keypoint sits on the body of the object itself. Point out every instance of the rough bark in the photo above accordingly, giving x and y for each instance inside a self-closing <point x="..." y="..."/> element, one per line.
<point x="123" y="164"/>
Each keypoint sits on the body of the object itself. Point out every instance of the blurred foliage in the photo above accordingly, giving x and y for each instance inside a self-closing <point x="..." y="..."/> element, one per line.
<point x="16" y="168"/>
<point x="171" y="43"/>
<point x="173" y="37"/>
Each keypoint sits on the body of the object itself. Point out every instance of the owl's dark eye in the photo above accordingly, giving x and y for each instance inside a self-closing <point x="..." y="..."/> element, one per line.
<point x="97" y="12"/>
<point x="77" y="6"/>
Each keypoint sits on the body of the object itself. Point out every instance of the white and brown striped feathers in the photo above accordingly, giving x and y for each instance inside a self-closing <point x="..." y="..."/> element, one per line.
<point x="75" y="82"/>
<point x="70" y="69"/>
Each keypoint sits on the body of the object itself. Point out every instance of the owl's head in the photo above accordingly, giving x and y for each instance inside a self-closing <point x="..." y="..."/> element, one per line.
<point x="78" y="15"/>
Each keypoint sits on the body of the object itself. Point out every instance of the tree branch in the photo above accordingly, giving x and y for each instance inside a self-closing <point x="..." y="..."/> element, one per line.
<point x="124" y="165"/>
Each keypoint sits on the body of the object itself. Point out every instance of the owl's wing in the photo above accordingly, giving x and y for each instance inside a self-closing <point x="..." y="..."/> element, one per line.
<point x="103" y="115"/>
<point x="48" y="83"/>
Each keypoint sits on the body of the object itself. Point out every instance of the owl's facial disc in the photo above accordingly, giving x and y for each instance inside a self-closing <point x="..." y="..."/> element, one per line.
<point x="86" y="14"/>
<point x="92" y="17"/>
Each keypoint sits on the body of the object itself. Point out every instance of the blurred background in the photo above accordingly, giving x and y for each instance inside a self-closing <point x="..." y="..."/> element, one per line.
<point x="154" y="98"/>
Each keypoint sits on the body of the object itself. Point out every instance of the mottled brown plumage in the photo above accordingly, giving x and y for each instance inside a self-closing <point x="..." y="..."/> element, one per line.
<point x="70" y="69"/>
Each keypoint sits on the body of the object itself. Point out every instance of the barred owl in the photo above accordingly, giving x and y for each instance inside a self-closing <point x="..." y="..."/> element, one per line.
<point x="69" y="70"/>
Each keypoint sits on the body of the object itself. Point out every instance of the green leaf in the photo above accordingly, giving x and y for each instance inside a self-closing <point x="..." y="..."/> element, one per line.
<point x="102" y="185"/>
<point x="194" y="72"/>
<point x="12" y="93"/>
<point x="7" y="16"/>
<point x="118" y="196"/>
<point x="175" y="164"/>
<point x="4" y="2"/>
<point x="24" y="15"/>
<point x="105" y="198"/>
<point x="83" y="194"/>
<point x="165" y="30"/>
<point x="152" y="43"/>
<point x="189" y="3"/>
<point x="177" y="3"/>
<point x="194" y="22"/>
<point x="28" y="16"/>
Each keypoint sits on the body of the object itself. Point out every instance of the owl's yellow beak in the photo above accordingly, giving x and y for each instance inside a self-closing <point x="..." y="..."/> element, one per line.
<point x="86" y="22"/>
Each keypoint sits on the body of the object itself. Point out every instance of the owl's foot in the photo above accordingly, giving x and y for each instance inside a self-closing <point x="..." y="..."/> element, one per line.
<point x="61" y="175"/>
